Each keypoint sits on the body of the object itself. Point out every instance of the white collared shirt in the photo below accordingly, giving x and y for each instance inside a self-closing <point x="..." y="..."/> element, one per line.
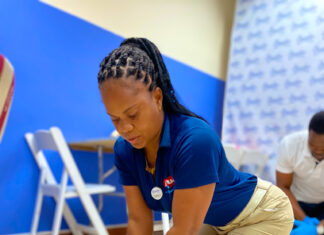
<point x="295" y="157"/>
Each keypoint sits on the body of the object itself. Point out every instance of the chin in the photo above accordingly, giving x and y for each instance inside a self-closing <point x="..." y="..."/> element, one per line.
<point x="137" y="145"/>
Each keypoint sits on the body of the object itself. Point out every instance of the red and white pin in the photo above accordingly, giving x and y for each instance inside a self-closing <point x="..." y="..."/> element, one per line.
<point x="168" y="182"/>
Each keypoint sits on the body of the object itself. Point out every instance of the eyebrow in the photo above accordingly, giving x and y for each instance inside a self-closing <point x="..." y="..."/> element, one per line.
<point x="125" y="111"/>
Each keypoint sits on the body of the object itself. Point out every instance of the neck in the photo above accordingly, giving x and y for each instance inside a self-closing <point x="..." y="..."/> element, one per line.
<point x="152" y="148"/>
<point x="151" y="154"/>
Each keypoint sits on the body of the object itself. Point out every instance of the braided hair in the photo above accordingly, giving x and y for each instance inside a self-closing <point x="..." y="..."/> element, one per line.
<point x="140" y="58"/>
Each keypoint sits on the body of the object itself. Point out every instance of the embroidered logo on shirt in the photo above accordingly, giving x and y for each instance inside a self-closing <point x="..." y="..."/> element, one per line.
<point x="169" y="183"/>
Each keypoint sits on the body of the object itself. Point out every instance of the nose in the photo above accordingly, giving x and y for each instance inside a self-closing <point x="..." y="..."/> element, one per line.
<point x="125" y="127"/>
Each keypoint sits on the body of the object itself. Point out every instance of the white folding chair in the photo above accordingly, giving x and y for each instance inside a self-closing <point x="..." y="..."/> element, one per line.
<point x="254" y="158"/>
<point x="233" y="154"/>
<point x="48" y="186"/>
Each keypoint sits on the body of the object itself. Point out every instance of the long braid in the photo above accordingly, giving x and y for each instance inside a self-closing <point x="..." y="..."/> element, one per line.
<point x="139" y="57"/>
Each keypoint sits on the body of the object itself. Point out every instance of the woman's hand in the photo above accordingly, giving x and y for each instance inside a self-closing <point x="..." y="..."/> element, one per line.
<point x="140" y="217"/>
<point x="189" y="209"/>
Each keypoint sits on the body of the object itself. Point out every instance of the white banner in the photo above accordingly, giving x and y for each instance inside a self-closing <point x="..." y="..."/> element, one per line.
<point x="275" y="77"/>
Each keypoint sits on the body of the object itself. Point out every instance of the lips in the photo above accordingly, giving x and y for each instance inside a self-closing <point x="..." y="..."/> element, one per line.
<point x="133" y="139"/>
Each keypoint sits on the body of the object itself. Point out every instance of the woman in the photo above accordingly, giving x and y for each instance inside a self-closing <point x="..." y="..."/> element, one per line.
<point x="169" y="159"/>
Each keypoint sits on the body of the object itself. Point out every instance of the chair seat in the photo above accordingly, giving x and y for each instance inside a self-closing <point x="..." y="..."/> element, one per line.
<point x="53" y="190"/>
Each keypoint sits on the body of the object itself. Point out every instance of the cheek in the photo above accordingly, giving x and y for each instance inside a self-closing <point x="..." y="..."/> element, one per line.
<point x="144" y="124"/>
<point x="311" y="149"/>
<point x="148" y="122"/>
<point x="117" y="128"/>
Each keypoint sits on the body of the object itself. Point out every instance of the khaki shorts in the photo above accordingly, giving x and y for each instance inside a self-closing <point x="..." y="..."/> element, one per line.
<point x="268" y="212"/>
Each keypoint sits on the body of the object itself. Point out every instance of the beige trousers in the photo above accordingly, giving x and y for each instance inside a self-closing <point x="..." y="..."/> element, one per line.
<point x="268" y="212"/>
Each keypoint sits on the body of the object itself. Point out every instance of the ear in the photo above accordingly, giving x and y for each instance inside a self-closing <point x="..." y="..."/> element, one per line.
<point x="158" y="97"/>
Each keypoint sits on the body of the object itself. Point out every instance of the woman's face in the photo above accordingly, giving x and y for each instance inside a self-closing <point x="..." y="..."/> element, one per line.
<point x="136" y="113"/>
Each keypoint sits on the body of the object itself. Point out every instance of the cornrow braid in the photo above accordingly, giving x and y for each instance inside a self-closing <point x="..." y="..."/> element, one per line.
<point x="140" y="58"/>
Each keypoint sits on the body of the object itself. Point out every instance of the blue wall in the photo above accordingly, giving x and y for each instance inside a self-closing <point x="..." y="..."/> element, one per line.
<point x="56" y="58"/>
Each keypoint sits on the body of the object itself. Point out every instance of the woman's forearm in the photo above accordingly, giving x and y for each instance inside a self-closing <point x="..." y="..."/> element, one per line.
<point x="183" y="231"/>
<point x="136" y="227"/>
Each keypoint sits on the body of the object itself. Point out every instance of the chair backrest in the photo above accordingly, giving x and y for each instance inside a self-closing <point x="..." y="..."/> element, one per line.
<point x="233" y="154"/>
<point x="7" y="82"/>
<point x="53" y="139"/>
<point x="44" y="140"/>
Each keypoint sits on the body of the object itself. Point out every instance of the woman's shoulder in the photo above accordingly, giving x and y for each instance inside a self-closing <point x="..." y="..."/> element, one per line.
<point x="191" y="124"/>
<point x="193" y="129"/>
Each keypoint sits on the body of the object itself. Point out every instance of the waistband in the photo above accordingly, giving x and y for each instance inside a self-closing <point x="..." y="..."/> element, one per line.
<point x="259" y="192"/>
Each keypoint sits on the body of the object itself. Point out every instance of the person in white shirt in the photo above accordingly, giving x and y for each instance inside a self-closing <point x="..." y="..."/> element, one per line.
<point x="300" y="171"/>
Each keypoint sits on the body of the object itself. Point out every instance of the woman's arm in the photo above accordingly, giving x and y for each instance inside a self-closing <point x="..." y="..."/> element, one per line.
<point x="189" y="208"/>
<point x="140" y="217"/>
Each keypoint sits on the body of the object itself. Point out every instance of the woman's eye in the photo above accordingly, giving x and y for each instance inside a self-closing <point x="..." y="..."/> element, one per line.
<point x="132" y="116"/>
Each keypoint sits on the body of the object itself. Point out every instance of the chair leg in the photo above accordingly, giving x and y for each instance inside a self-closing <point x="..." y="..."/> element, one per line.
<point x="38" y="204"/>
<point x="59" y="205"/>
<point x="165" y="222"/>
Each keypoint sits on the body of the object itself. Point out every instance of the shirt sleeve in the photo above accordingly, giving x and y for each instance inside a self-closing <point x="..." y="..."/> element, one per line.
<point x="197" y="160"/>
<point x="284" y="158"/>
<point x="123" y="163"/>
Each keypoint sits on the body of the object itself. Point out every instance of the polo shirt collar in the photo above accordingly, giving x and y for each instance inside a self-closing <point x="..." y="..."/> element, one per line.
<point x="165" y="135"/>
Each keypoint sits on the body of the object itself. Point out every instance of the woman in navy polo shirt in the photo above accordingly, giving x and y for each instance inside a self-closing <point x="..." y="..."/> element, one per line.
<point x="169" y="159"/>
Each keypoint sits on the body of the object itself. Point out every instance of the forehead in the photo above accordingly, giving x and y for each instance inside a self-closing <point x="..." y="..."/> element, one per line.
<point x="119" y="94"/>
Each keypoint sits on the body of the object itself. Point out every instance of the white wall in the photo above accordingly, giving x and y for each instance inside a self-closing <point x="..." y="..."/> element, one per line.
<point x="195" y="32"/>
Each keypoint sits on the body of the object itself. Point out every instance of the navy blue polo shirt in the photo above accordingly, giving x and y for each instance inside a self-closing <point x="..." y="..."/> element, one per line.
<point x="190" y="155"/>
